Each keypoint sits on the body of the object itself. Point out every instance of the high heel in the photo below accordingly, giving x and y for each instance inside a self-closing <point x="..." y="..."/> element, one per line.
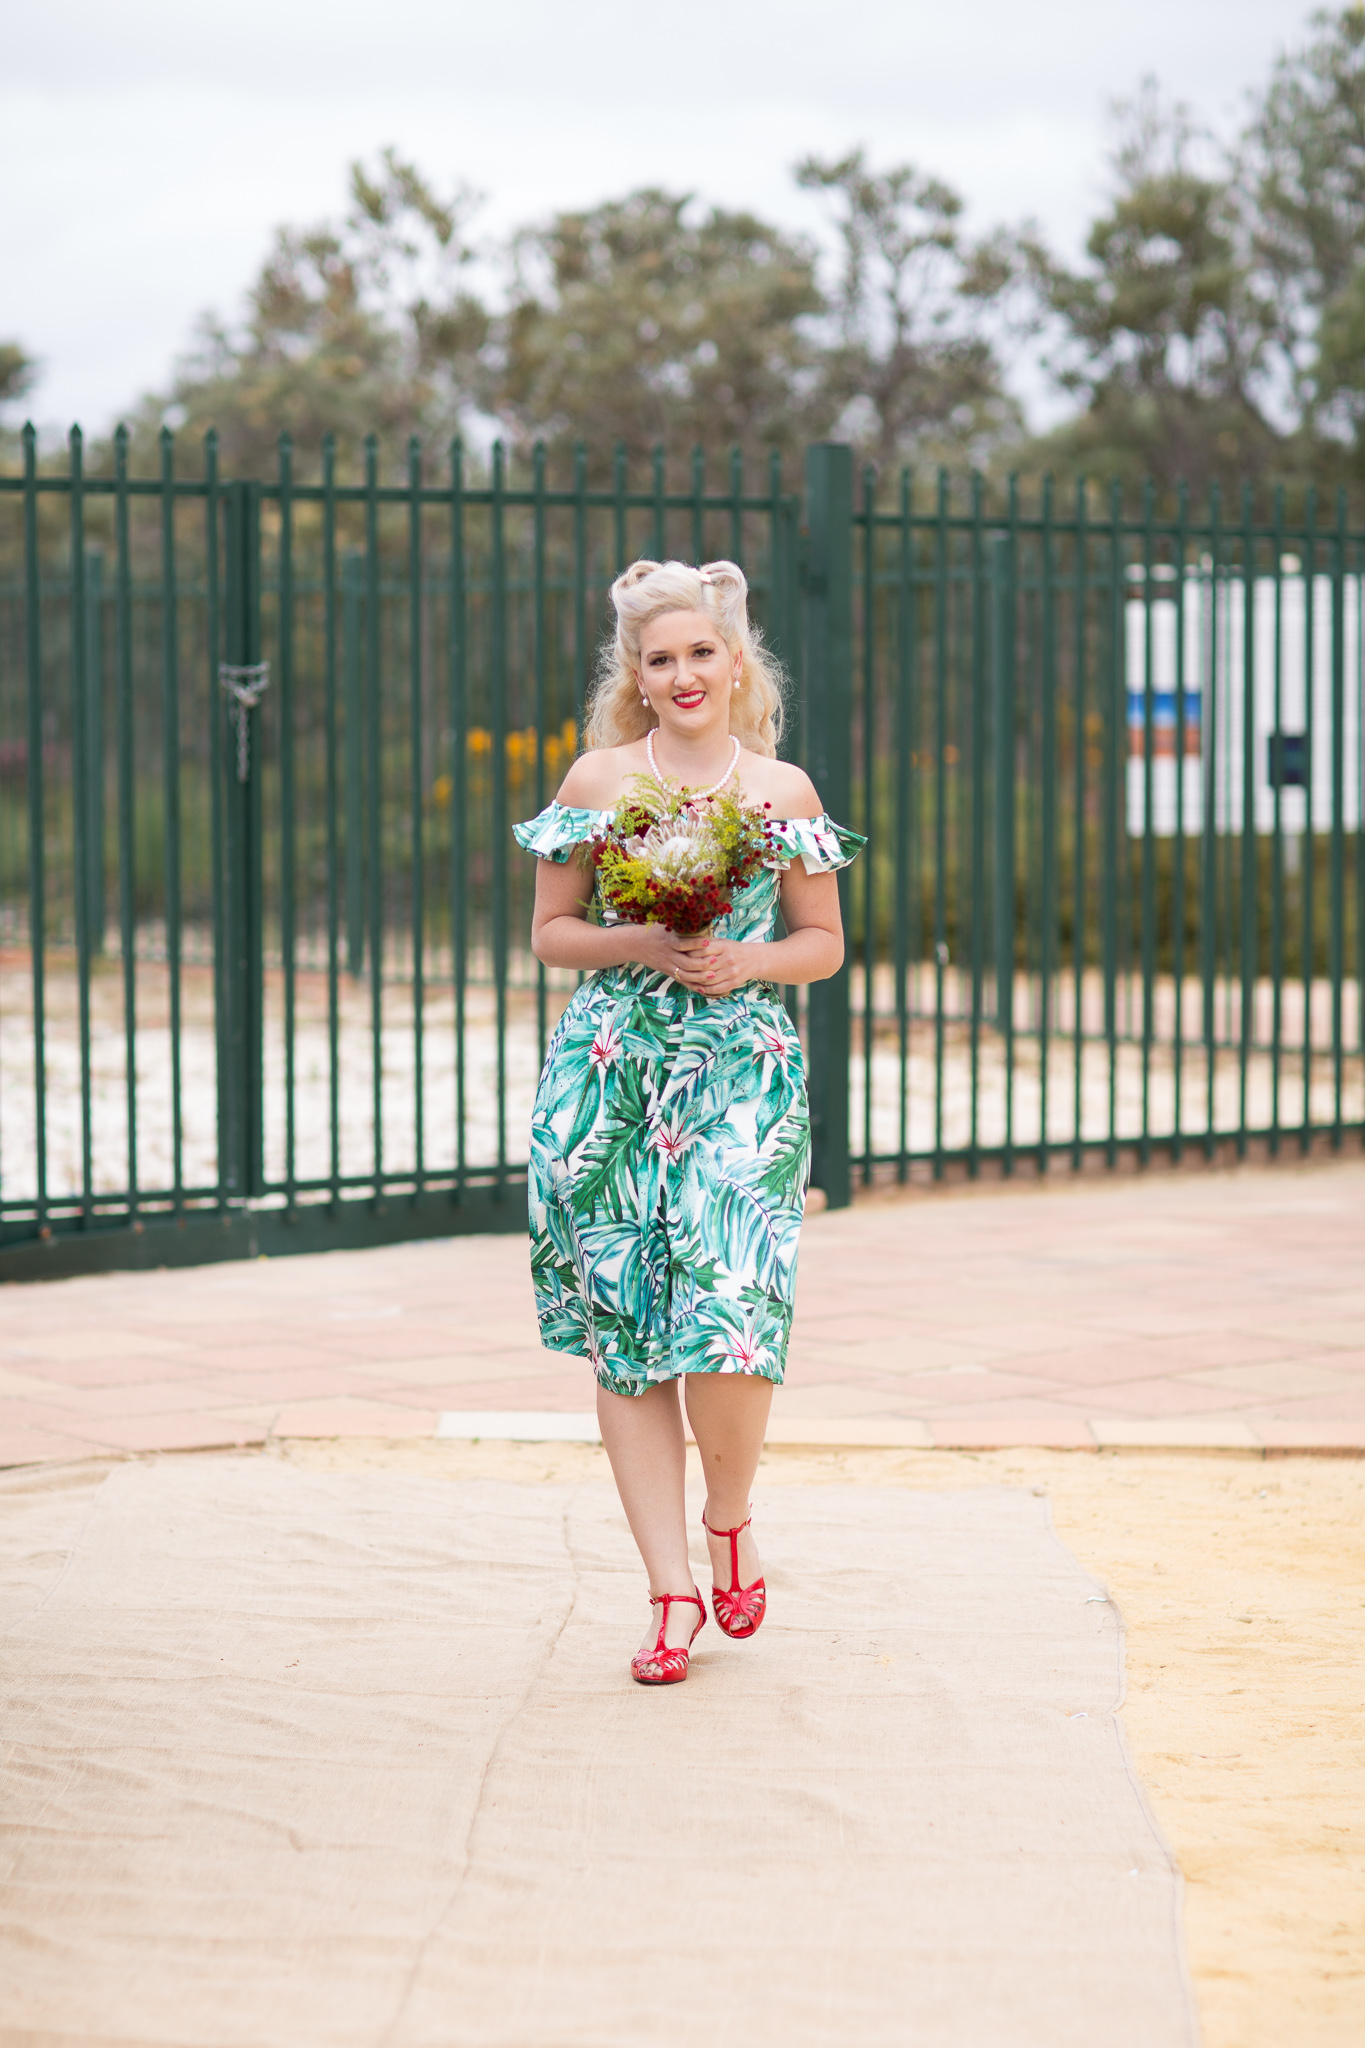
<point x="662" y="1665"/>
<point x="739" y="1609"/>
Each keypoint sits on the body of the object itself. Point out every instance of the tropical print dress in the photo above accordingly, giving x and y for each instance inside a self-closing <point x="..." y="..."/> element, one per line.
<point x="670" y="1143"/>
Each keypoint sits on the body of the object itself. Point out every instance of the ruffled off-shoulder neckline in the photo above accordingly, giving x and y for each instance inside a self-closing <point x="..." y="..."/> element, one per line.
<point x="820" y="844"/>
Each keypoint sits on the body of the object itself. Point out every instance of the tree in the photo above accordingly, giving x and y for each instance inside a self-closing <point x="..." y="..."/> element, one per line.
<point x="1163" y="335"/>
<point x="636" y="322"/>
<point x="18" y="375"/>
<point x="1304" y="171"/>
<point x="18" y="372"/>
<point x="909" y="373"/>
<point x="351" y="328"/>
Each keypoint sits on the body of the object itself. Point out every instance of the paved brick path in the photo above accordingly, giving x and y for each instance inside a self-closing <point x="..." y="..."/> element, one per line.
<point x="1218" y="1309"/>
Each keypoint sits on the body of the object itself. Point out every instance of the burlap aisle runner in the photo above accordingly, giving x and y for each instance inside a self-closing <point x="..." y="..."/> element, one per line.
<point x="320" y="1760"/>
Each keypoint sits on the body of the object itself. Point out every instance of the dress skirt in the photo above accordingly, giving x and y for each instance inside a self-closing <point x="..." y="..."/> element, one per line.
<point x="670" y="1146"/>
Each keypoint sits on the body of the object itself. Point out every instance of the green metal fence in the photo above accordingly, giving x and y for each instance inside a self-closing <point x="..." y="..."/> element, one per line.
<point x="1110" y="767"/>
<point x="264" y="974"/>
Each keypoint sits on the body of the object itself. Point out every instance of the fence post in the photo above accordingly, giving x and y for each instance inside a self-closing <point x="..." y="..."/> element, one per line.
<point x="242" y="1030"/>
<point x="1003" y="690"/>
<point x="1002" y="720"/>
<point x="829" y="747"/>
<point x="92" y="796"/>
<point x="353" y="740"/>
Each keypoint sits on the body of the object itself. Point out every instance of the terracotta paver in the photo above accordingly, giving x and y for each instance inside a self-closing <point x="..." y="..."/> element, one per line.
<point x="345" y="1417"/>
<point x="37" y="1447"/>
<point x="1209" y="1309"/>
<point x="210" y="1431"/>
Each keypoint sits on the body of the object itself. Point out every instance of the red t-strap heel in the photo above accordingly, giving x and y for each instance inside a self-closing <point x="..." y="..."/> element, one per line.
<point x="662" y="1665"/>
<point x="740" y="1609"/>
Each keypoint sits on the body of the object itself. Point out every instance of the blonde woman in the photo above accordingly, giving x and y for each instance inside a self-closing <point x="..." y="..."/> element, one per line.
<point x="670" y="1139"/>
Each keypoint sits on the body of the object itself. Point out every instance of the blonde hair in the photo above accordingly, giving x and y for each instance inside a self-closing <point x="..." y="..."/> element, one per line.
<point x="645" y="591"/>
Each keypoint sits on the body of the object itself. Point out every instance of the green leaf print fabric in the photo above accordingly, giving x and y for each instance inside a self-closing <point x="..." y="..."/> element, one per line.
<point x="670" y="1143"/>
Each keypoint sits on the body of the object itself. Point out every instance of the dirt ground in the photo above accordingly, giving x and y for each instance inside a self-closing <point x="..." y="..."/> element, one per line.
<point x="1241" y="1581"/>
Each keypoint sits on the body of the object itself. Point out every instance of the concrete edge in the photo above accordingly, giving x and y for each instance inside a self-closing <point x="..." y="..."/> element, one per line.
<point x="1219" y="1435"/>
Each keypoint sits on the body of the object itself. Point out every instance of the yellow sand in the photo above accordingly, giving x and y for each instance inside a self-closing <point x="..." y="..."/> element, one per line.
<point x="1242" y="1584"/>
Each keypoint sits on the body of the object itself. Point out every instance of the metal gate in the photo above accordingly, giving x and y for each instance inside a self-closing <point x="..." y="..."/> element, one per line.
<point x="266" y="977"/>
<point x="1110" y="766"/>
<point x="264" y="973"/>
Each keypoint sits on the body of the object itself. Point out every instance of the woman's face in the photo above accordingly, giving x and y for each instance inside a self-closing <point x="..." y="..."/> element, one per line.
<point x="687" y="673"/>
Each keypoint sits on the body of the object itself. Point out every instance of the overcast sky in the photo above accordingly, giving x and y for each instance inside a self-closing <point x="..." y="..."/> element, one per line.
<point x="148" y="149"/>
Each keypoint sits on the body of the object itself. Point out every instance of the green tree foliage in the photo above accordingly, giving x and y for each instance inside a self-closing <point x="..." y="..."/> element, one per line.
<point x="1304" y="174"/>
<point x="18" y="372"/>
<point x="908" y="373"/>
<point x="1215" y="328"/>
<point x="366" y="326"/>
<point x="1163" y="337"/>
<point x="634" y="323"/>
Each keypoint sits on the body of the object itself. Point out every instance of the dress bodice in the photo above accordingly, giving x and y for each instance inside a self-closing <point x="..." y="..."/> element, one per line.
<point x="818" y="843"/>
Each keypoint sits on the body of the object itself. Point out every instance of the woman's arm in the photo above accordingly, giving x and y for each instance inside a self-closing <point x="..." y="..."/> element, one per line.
<point x="560" y="933"/>
<point x="813" y="949"/>
<point x="562" y="937"/>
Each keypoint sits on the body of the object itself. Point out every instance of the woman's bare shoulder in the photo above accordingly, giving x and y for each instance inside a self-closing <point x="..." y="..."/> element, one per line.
<point x="597" y="778"/>
<point x="782" y="784"/>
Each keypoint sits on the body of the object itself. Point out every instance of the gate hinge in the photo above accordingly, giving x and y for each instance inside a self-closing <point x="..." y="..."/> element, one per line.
<point x="245" y="685"/>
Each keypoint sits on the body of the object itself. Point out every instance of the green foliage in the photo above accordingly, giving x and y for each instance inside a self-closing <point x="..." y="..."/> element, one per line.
<point x="631" y="323"/>
<point x="908" y="374"/>
<point x="1214" y="330"/>
<point x="1163" y="335"/>
<point x="17" y="372"/>
<point x="1304" y="168"/>
<point x="360" y="327"/>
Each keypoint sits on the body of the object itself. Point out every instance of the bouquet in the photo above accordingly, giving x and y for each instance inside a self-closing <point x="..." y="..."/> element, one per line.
<point x="663" y="857"/>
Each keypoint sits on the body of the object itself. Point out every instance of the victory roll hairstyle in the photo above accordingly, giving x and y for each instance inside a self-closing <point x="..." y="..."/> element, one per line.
<point x="645" y="591"/>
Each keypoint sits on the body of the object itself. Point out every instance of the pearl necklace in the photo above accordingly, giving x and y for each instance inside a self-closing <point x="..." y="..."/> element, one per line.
<point x="658" y="777"/>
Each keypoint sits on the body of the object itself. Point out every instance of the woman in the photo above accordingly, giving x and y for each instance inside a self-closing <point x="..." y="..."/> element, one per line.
<point x="670" y="1138"/>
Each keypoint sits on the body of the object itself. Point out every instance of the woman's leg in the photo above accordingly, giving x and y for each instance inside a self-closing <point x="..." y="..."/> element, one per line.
<point x="729" y="1415"/>
<point x="643" y="1435"/>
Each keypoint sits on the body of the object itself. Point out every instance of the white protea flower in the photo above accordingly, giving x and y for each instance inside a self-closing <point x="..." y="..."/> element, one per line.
<point x="681" y="848"/>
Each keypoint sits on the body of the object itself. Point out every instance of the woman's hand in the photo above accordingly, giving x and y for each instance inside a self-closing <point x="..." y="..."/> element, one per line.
<point x="716" y="967"/>
<point x="708" y="966"/>
<point x="663" y="952"/>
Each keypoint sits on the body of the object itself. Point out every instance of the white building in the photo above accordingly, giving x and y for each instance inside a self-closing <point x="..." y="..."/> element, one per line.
<point x="1292" y="738"/>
